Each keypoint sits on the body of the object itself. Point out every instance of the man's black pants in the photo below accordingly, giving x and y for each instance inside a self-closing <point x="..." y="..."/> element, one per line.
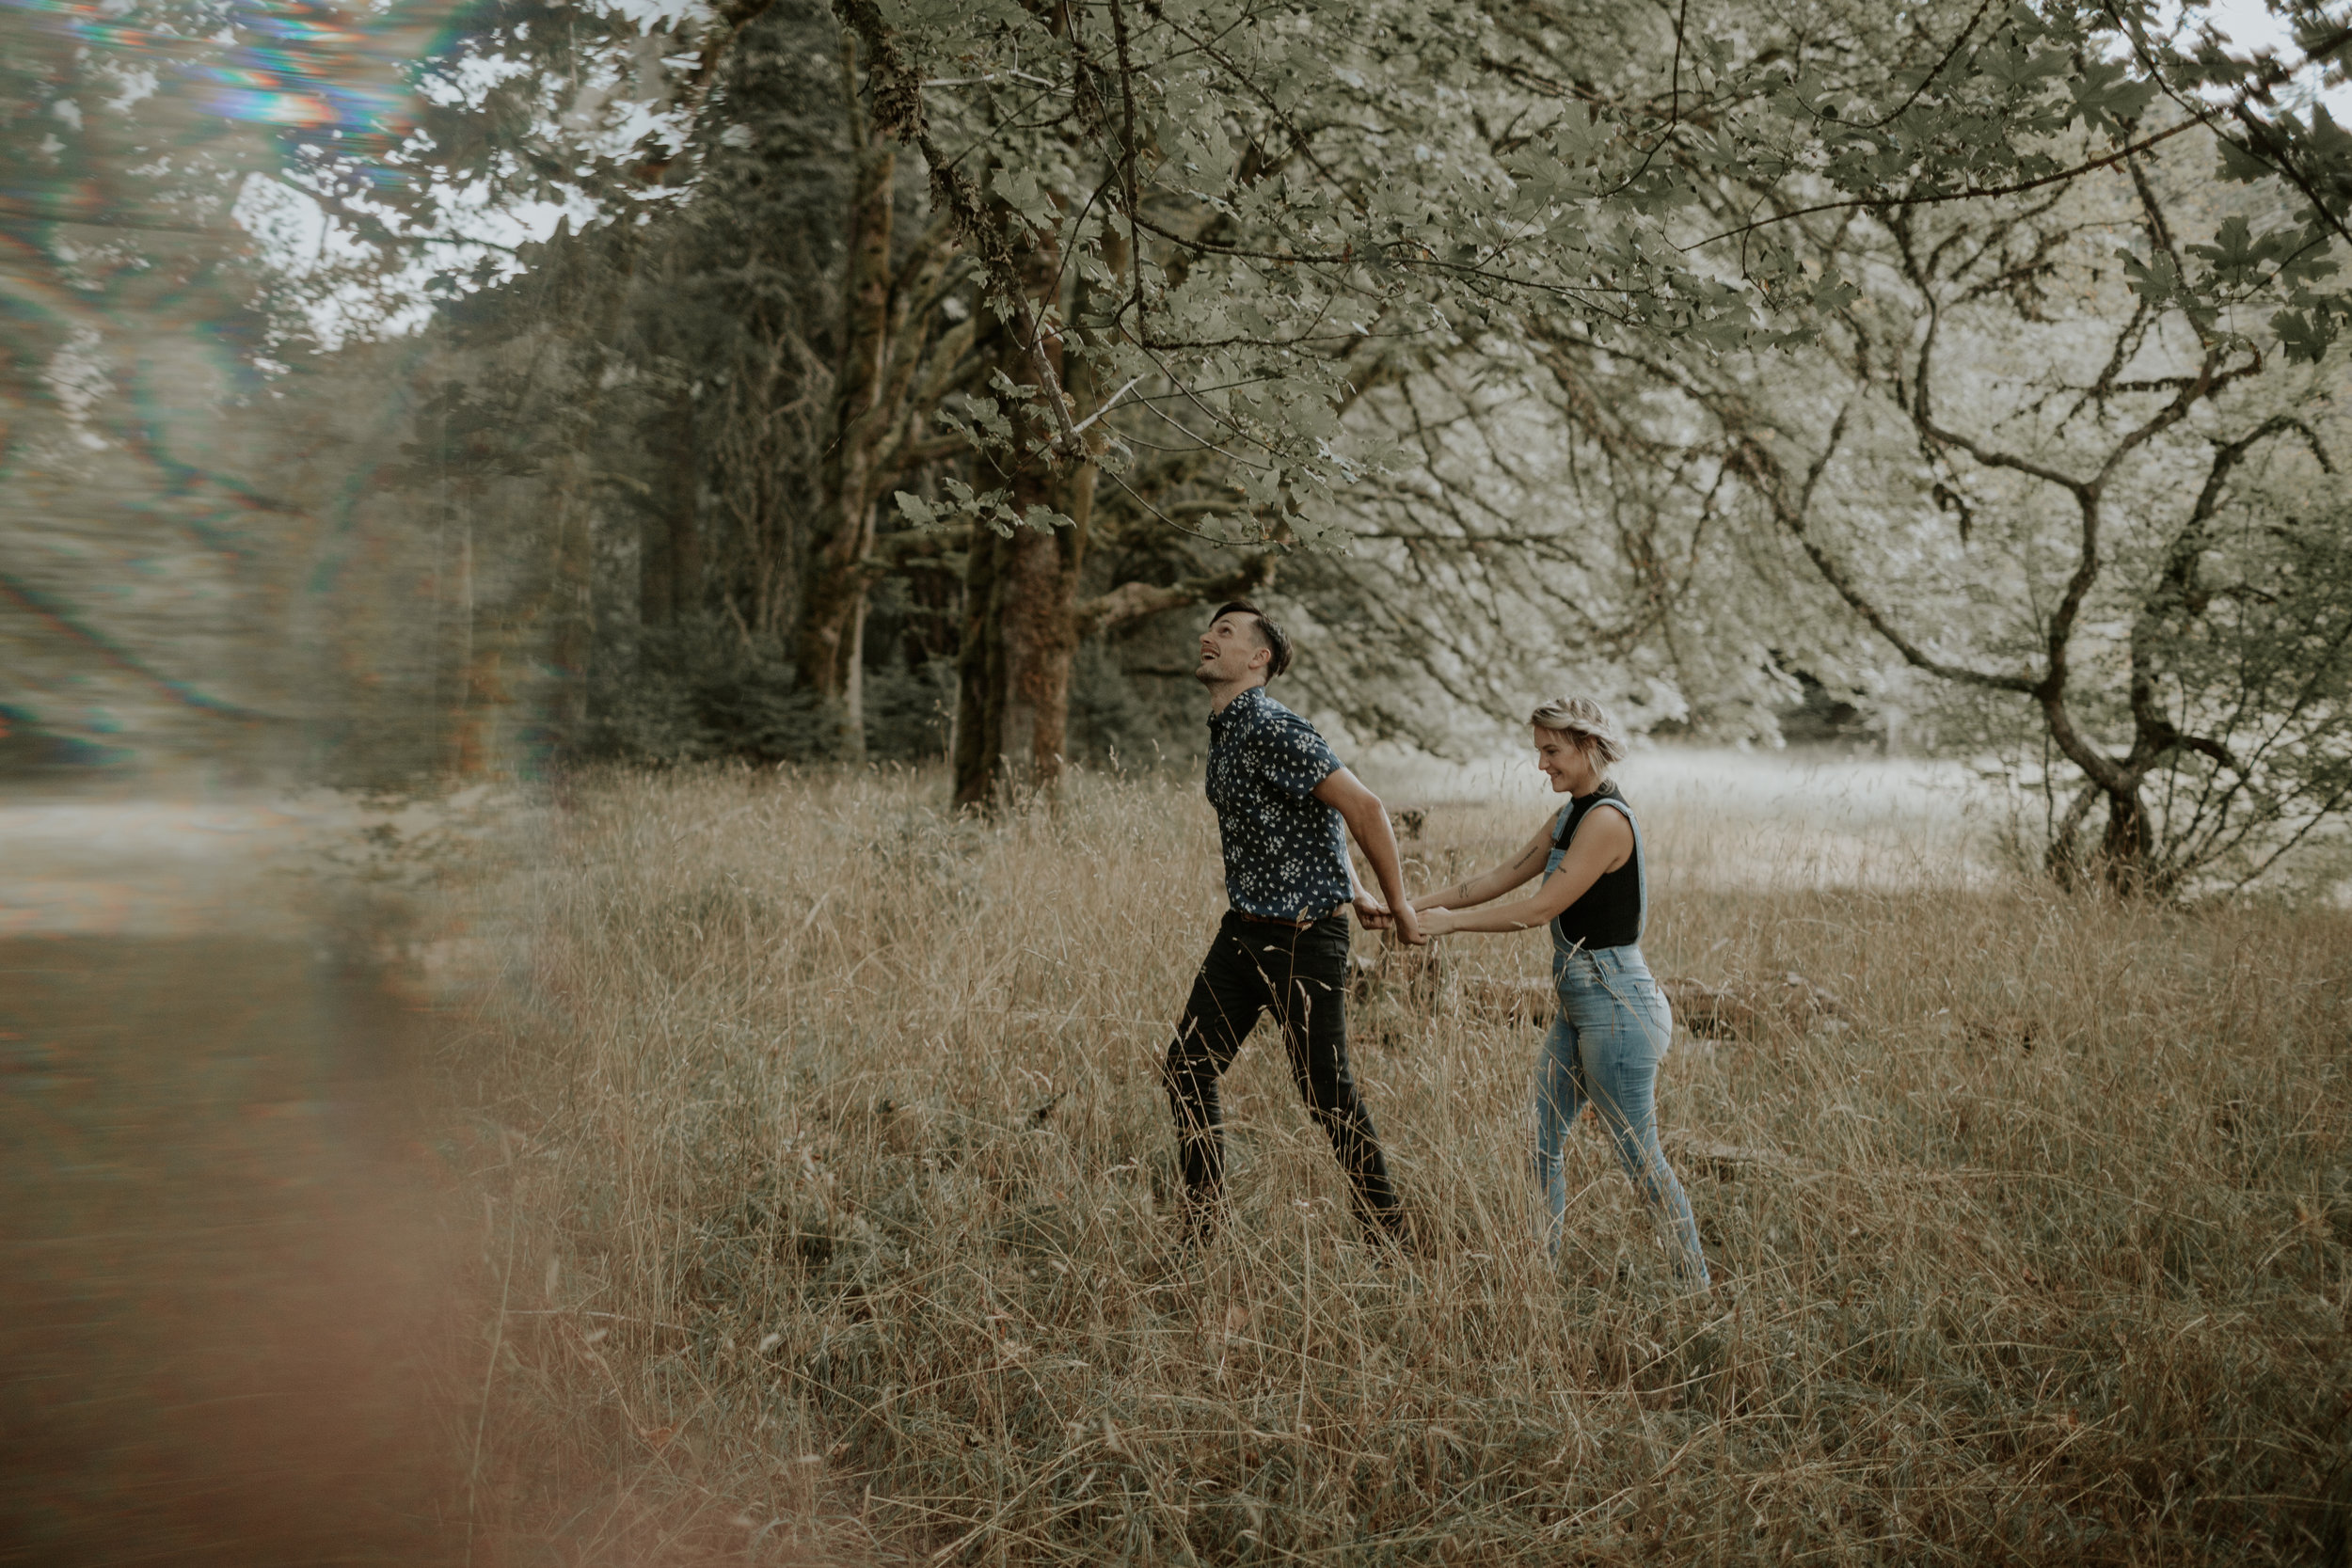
<point x="1300" y="973"/>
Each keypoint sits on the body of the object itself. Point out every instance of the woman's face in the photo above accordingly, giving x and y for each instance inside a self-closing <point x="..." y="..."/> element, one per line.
<point x="1563" y="761"/>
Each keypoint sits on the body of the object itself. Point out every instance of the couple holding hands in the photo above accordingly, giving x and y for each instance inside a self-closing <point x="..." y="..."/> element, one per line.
<point x="1281" y="798"/>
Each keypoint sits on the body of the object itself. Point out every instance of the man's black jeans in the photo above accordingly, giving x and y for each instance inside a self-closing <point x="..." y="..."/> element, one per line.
<point x="1301" y="974"/>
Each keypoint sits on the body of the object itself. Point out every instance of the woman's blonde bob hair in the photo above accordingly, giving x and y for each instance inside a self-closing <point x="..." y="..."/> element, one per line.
<point x="1586" y="722"/>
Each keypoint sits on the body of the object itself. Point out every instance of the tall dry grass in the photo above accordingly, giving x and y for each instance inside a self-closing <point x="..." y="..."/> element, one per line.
<point x="820" y="1161"/>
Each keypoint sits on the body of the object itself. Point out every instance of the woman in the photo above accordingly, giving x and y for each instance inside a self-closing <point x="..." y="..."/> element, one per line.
<point x="1612" y="1028"/>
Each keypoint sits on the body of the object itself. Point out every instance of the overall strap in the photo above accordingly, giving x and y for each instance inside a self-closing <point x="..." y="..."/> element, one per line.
<point x="1641" y="861"/>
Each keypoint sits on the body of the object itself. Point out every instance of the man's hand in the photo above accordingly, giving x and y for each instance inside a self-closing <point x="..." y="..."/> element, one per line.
<point x="1368" y="822"/>
<point x="1412" y="928"/>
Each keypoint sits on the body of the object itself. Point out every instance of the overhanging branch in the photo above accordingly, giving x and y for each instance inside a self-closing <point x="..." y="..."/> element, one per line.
<point x="1133" y="601"/>
<point x="1750" y="458"/>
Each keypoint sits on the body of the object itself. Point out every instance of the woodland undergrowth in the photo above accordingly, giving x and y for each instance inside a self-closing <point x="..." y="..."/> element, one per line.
<point x="821" y="1169"/>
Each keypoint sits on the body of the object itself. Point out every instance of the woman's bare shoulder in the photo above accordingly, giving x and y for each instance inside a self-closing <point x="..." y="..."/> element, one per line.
<point x="1605" y="827"/>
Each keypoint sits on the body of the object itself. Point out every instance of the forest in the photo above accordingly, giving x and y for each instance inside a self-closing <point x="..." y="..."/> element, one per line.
<point x="888" y="386"/>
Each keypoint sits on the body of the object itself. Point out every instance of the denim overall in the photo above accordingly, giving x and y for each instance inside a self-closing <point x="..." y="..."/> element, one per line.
<point x="1605" y="1046"/>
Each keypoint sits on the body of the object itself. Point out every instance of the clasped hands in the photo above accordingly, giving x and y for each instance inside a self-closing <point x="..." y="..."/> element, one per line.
<point x="1373" y="915"/>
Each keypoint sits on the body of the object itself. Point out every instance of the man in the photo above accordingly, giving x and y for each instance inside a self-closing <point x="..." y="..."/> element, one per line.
<point x="1280" y="797"/>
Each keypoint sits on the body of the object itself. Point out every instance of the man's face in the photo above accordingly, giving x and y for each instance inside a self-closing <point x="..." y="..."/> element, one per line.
<point x="1231" y="649"/>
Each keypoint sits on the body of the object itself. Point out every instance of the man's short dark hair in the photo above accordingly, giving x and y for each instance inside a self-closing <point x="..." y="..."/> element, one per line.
<point x="1269" y="635"/>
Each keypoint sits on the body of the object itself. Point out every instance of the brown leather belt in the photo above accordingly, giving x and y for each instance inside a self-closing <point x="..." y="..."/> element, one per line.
<point x="1299" y="925"/>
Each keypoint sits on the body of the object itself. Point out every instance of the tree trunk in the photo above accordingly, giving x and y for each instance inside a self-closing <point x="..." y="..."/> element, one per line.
<point x="2124" y="849"/>
<point x="669" y="563"/>
<point x="1020" y="595"/>
<point x="463" y="755"/>
<point x="832" y="597"/>
<point x="571" y="639"/>
<point x="1022" y="620"/>
<point x="826" y="638"/>
<point x="979" y="664"/>
<point x="2125" y="861"/>
<point x="657" y="583"/>
<point x="854" y="681"/>
<point x="1020" y="641"/>
<point x="1037" y="624"/>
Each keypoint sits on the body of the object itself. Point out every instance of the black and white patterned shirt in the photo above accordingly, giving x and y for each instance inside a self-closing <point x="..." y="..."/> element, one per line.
<point x="1285" y="851"/>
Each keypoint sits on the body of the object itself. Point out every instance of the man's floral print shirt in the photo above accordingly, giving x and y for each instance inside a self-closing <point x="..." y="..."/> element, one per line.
<point x="1285" y="855"/>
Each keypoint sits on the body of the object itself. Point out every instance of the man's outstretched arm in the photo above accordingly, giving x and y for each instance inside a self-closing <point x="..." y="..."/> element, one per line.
<point x="1367" y="822"/>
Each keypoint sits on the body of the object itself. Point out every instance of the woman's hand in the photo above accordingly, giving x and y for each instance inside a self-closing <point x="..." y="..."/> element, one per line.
<point x="1371" y="915"/>
<point x="1437" y="922"/>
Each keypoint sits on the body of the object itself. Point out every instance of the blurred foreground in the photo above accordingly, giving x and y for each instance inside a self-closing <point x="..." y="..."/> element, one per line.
<point x="221" y="1283"/>
<point x="228" y="1295"/>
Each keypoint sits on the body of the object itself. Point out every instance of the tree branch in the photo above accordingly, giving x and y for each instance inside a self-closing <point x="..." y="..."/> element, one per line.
<point x="1750" y="458"/>
<point x="1133" y="601"/>
<point x="1973" y="193"/>
<point x="2176" y="598"/>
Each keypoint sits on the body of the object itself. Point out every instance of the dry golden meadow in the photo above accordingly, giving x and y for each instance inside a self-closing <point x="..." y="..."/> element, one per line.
<point x="819" y="1163"/>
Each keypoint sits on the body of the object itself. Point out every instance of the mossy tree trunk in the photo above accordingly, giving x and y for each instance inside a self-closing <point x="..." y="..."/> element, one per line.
<point x="901" y="357"/>
<point x="1024" y="612"/>
<point x="669" y="561"/>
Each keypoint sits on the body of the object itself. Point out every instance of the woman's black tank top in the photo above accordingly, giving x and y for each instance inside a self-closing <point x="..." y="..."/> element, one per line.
<point x="1610" y="913"/>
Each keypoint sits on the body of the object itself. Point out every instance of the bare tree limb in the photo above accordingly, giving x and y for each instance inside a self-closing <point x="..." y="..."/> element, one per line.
<point x="1133" y="601"/>
<point x="1751" y="459"/>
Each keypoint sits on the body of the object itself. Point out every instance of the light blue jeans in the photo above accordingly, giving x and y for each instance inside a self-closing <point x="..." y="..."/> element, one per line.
<point x="1605" y="1045"/>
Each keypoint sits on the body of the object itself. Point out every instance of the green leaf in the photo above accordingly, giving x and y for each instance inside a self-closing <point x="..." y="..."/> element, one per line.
<point x="2106" y="96"/>
<point x="2156" y="279"/>
<point x="2239" y="164"/>
<point x="2304" y="333"/>
<point x="2236" y="255"/>
<point x="1022" y="192"/>
<point x="2017" y="71"/>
